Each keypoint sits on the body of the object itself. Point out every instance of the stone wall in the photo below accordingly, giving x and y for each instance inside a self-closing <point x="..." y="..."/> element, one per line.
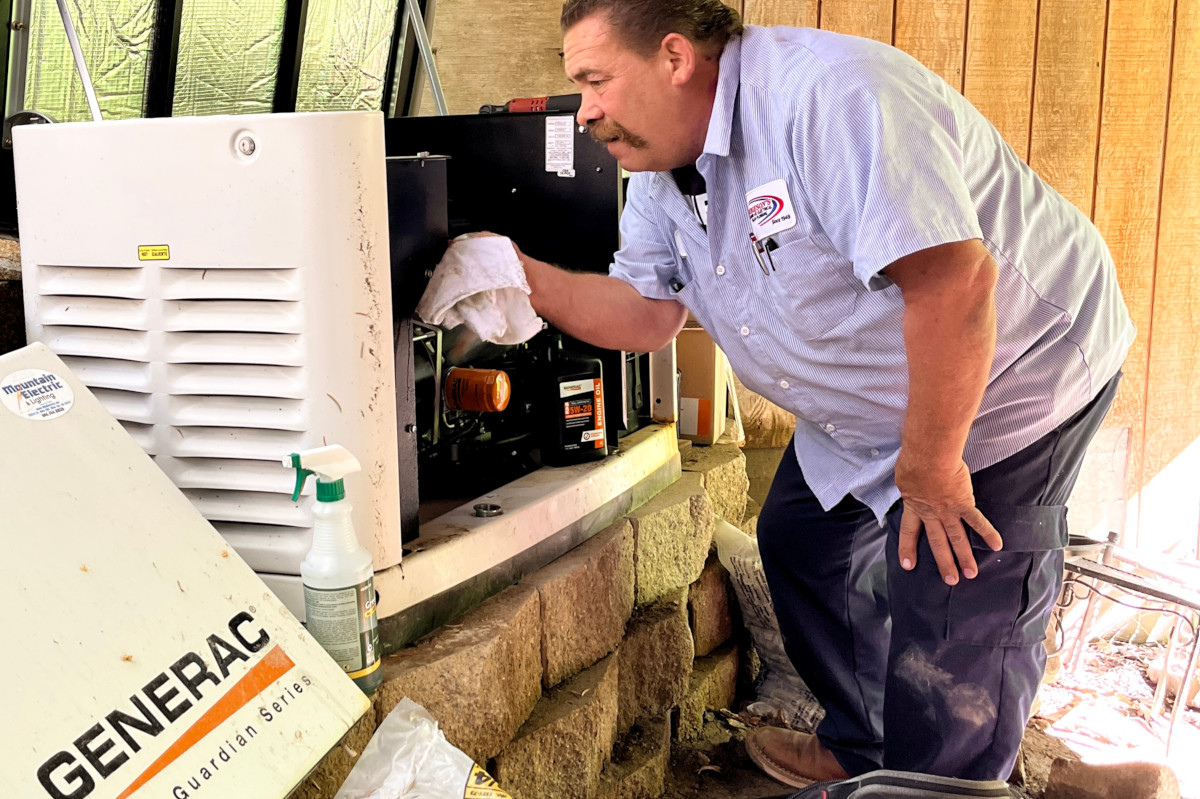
<point x="12" y="312"/>
<point x="573" y="682"/>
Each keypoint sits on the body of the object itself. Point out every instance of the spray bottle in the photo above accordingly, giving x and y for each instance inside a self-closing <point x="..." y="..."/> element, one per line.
<point x="338" y="577"/>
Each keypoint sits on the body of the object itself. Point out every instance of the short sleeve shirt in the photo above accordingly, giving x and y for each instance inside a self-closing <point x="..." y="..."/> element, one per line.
<point x="850" y="155"/>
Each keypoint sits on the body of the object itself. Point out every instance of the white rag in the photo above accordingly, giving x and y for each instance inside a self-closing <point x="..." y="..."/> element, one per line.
<point x="480" y="282"/>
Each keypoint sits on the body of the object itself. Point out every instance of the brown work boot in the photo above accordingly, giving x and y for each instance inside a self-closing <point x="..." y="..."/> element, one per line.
<point x="794" y="758"/>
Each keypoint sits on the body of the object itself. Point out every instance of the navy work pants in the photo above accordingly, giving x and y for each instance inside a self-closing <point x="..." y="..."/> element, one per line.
<point x="914" y="674"/>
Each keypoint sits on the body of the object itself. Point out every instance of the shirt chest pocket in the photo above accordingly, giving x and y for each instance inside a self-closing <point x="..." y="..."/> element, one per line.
<point x="813" y="287"/>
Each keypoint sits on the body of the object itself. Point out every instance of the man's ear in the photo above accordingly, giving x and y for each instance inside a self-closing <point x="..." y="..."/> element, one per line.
<point x="678" y="56"/>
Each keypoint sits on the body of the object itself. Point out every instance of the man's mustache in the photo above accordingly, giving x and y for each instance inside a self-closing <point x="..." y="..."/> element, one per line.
<point x="608" y="131"/>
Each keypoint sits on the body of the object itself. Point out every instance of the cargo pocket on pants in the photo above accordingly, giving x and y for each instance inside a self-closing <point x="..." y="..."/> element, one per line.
<point x="1009" y="602"/>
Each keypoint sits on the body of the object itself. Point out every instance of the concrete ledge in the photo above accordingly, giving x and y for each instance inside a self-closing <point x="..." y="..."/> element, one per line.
<point x="461" y="559"/>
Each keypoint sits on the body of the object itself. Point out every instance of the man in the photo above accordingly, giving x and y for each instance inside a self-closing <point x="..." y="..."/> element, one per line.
<point x="947" y="329"/>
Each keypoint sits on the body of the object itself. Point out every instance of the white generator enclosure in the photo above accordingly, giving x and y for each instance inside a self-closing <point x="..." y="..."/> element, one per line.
<point x="222" y="285"/>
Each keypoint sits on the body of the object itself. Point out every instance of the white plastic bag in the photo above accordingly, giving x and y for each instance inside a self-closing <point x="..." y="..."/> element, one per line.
<point x="410" y="757"/>
<point x="781" y="692"/>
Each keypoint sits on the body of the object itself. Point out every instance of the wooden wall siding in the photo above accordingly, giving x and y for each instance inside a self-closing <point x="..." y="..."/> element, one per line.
<point x="797" y="13"/>
<point x="1001" y="40"/>
<point x="933" y="32"/>
<point x="1173" y="404"/>
<point x="1066" y="100"/>
<point x="1080" y="88"/>
<point x="493" y="51"/>
<point x="1137" y="66"/>
<point x="869" y="18"/>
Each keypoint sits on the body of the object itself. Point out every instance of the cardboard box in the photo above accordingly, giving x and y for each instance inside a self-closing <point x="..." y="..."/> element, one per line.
<point x="702" y="390"/>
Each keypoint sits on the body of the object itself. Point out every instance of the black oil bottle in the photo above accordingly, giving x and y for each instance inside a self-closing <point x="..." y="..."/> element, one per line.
<point x="572" y="399"/>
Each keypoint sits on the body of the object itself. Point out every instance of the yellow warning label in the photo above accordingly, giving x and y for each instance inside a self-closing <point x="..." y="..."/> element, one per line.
<point x="154" y="252"/>
<point x="480" y="785"/>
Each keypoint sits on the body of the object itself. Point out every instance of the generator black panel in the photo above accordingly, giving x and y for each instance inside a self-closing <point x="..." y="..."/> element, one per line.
<point x="497" y="181"/>
<point x="417" y="226"/>
<point x="417" y="236"/>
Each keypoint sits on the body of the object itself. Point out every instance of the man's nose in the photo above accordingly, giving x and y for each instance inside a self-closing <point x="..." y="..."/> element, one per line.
<point x="589" y="113"/>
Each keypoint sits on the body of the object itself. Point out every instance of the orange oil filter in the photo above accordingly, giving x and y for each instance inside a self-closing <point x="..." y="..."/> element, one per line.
<point x="479" y="390"/>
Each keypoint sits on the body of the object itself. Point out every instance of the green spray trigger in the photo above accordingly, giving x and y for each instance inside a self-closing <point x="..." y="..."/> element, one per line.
<point x="330" y="464"/>
<point x="302" y="475"/>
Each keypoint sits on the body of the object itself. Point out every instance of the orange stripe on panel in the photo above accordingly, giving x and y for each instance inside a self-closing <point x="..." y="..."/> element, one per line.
<point x="266" y="671"/>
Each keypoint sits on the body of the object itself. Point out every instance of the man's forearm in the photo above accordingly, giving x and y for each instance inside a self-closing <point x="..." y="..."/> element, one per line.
<point x="601" y="310"/>
<point x="950" y="339"/>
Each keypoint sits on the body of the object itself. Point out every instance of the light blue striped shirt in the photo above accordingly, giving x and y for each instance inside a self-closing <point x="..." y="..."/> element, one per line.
<point x="878" y="158"/>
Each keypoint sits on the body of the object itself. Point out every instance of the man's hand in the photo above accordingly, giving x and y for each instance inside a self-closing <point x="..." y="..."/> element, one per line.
<point x="940" y="500"/>
<point x="950" y="338"/>
<point x="596" y="308"/>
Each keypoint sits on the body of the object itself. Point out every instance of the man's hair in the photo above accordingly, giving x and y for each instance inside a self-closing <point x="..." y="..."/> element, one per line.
<point x="641" y="24"/>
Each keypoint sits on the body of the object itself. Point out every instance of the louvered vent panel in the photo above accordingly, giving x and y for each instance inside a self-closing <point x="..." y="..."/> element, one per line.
<point x="249" y="506"/>
<point x="233" y="316"/>
<point x="280" y="349"/>
<point x="127" y="406"/>
<point x="231" y="284"/>
<point x="84" y="311"/>
<point x="143" y="434"/>
<point x="265" y="329"/>
<point x="236" y="358"/>
<point x="129" y="345"/>
<point x="93" y="281"/>
<point x="235" y="442"/>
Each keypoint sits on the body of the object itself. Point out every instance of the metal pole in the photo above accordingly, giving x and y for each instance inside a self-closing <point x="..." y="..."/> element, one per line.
<point x="291" y="55"/>
<point x="80" y="64"/>
<point x="1185" y="683"/>
<point x="18" y="56"/>
<point x="1160" y="690"/>
<point x="413" y="14"/>
<point x="164" y="61"/>
<point x="393" y="77"/>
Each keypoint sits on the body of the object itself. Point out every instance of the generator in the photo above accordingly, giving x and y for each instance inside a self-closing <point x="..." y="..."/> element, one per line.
<point x="542" y="181"/>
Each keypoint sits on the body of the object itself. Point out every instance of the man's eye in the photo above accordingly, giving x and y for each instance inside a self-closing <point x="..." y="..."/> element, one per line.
<point x="596" y="83"/>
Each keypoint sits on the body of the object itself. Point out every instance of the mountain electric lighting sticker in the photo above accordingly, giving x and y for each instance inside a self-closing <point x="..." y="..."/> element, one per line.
<point x="36" y="394"/>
